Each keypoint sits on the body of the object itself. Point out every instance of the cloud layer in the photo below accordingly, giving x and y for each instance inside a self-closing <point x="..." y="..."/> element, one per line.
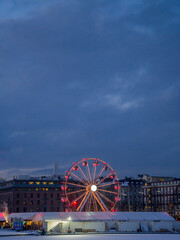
<point x="90" y="79"/>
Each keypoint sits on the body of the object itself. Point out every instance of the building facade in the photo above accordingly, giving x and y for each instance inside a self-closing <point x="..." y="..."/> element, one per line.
<point x="163" y="196"/>
<point x="30" y="194"/>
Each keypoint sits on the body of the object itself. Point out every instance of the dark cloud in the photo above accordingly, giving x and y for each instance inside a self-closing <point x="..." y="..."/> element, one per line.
<point x="90" y="79"/>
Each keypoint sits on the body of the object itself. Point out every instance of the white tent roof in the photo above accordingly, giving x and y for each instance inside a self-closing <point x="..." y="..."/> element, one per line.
<point x="100" y="216"/>
<point x="85" y="216"/>
<point x="94" y="216"/>
<point x="24" y="216"/>
<point x="118" y="216"/>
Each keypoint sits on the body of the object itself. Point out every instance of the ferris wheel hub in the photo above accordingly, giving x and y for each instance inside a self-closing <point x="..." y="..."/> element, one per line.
<point x="93" y="188"/>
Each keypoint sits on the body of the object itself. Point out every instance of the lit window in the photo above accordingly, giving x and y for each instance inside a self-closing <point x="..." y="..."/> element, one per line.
<point x="37" y="189"/>
<point x="46" y="189"/>
<point x="44" y="183"/>
<point x="51" y="183"/>
<point x="31" y="183"/>
<point x="37" y="183"/>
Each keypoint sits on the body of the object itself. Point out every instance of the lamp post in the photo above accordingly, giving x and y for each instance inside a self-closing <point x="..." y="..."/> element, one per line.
<point x="69" y="219"/>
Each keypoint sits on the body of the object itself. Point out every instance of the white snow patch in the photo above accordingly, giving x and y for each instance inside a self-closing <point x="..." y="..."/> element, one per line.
<point x="100" y="237"/>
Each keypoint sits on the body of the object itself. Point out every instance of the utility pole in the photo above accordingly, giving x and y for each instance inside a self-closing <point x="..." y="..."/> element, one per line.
<point x="129" y="199"/>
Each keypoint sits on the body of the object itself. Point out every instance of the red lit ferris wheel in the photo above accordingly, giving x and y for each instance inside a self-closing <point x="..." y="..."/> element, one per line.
<point x="91" y="185"/>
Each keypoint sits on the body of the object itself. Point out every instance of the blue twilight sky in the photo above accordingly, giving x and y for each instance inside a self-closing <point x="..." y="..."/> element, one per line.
<point x="82" y="78"/>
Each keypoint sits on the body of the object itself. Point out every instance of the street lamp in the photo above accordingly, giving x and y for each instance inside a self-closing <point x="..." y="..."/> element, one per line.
<point x="69" y="219"/>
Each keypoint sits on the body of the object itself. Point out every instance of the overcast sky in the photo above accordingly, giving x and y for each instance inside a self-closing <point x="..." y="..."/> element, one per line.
<point x="96" y="78"/>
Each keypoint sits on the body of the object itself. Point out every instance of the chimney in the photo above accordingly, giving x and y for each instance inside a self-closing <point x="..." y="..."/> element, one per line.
<point x="56" y="169"/>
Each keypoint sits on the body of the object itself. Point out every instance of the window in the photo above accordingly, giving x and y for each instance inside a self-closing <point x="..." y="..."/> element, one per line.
<point x="31" y="195"/>
<point x="24" y="202"/>
<point x="51" y="183"/>
<point x="38" y="195"/>
<point x="37" y="183"/>
<point x="51" y="202"/>
<point x="17" y="209"/>
<point x="17" y="202"/>
<point x="24" y="195"/>
<point x="31" y="183"/>
<point x="38" y="202"/>
<point x="31" y="202"/>
<point x="51" y="195"/>
<point x="44" y="183"/>
<point x="17" y="195"/>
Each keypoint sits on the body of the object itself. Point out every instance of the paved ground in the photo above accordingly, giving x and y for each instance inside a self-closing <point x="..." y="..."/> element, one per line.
<point x="99" y="237"/>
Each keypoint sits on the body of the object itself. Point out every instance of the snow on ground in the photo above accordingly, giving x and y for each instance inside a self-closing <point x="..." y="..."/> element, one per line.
<point x="99" y="237"/>
<point x="10" y="232"/>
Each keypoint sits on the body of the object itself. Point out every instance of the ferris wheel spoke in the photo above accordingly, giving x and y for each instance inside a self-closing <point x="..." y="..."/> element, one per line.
<point x="108" y="191"/>
<point x="79" y="178"/>
<point x="83" y="174"/>
<point x="74" y="184"/>
<point x="94" y="174"/>
<point x="106" y="198"/>
<point x="102" y="170"/>
<point x="101" y="201"/>
<point x="90" y="179"/>
<point x="82" y="201"/>
<point x="95" y="204"/>
<point x="103" y="185"/>
<point x="80" y="196"/>
<point x="90" y="202"/>
<point x="76" y="191"/>
<point x="105" y="178"/>
<point x="98" y="202"/>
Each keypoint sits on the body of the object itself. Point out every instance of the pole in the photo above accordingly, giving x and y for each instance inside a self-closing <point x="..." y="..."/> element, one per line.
<point x="128" y="199"/>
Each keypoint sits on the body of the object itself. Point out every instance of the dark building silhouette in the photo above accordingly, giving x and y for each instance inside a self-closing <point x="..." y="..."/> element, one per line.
<point x="30" y="194"/>
<point x="131" y="194"/>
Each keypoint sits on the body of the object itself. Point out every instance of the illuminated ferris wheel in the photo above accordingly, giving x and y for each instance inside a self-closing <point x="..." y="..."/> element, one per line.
<point x="91" y="185"/>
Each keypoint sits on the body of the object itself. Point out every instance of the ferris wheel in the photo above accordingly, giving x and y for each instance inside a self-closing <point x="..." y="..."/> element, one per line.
<point x="91" y="185"/>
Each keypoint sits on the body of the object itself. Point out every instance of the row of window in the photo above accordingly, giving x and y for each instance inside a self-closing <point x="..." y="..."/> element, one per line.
<point x="37" y="189"/>
<point x="32" y="195"/>
<point x="162" y="200"/>
<point x="38" y="202"/>
<point x="25" y="209"/>
<point x="165" y="183"/>
<point x="43" y="183"/>
<point x="163" y="190"/>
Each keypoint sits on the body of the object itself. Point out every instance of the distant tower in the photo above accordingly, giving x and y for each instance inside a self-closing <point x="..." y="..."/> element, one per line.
<point x="56" y="169"/>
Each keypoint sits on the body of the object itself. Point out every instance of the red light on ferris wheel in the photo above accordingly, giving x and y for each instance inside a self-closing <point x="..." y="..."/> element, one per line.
<point x="74" y="203"/>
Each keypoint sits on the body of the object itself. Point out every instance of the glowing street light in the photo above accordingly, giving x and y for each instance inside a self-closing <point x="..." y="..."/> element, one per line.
<point x="69" y="219"/>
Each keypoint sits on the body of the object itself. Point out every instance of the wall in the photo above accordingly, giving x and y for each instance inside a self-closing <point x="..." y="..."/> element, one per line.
<point x="128" y="226"/>
<point x="161" y="226"/>
<point x="56" y="226"/>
